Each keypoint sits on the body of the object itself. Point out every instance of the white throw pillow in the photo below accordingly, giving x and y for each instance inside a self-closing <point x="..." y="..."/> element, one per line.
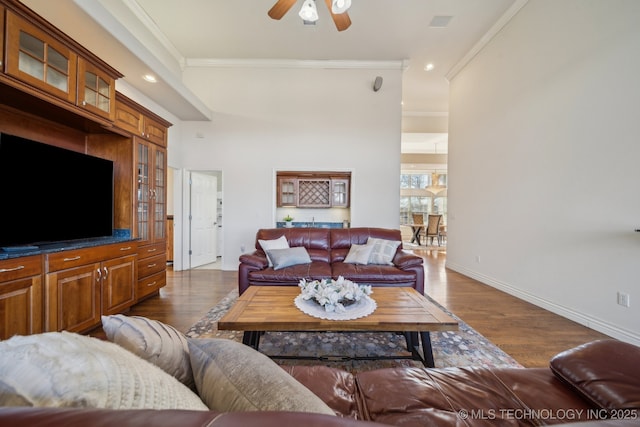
<point x="282" y="258"/>
<point x="156" y="342"/>
<point x="63" y="369"/>
<point x="383" y="250"/>
<point x="279" y="243"/>
<point x="233" y="377"/>
<point x="359" y="254"/>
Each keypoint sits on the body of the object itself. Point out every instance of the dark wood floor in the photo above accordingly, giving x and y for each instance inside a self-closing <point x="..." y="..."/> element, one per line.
<point x="530" y="334"/>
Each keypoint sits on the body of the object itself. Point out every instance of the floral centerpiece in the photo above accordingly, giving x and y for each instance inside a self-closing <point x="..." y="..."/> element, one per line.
<point x="334" y="295"/>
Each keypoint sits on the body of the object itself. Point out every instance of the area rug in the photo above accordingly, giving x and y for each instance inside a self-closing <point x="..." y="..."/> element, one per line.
<point x="464" y="347"/>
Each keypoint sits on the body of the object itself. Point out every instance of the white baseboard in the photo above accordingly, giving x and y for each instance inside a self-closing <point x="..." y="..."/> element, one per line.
<point x="578" y="317"/>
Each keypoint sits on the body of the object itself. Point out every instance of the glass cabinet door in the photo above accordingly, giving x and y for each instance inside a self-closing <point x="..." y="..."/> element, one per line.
<point x="96" y="90"/>
<point x="159" y="195"/>
<point x="287" y="195"/>
<point x="143" y="194"/>
<point x="151" y="211"/>
<point x="340" y="192"/>
<point x="39" y="60"/>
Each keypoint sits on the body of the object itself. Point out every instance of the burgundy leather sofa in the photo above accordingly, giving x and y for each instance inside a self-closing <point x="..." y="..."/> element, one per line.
<point x="327" y="248"/>
<point x="594" y="384"/>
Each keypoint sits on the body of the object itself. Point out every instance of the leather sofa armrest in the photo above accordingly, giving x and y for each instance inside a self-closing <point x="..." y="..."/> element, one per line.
<point x="605" y="372"/>
<point x="248" y="263"/>
<point x="254" y="260"/>
<point x="404" y="260"/>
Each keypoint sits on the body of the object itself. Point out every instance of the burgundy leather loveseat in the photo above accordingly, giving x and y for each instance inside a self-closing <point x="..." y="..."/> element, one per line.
<point x="327" y="248"/>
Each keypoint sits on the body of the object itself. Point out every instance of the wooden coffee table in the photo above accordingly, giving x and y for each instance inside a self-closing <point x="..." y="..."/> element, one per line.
<point x="399" y="309"/>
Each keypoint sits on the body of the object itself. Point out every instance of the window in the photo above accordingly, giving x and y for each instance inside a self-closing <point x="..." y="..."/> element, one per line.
<point x="416" y="199"/>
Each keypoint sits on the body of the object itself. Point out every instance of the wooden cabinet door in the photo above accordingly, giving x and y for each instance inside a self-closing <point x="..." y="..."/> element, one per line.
<point x="96" y="90"/>
<point x="128" y="118"/>
<point x="73" y="299"/>
<point x="151" y="192"/>
<point x="287" y="191"/>
<point x="21" y="296"/>
<point x="38" y="59"/>
<point x="2" y="13"/>
<point x="140" y="122"/>
<point x="119" y="281"/>
<point x="154" y="131"/>
<point x="340" y="192"/>
<point x="21" y="307"/>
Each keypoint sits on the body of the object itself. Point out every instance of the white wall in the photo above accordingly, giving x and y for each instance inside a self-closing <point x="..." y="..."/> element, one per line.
<point x="268" y="119"/>
<point x="544" y="181"/>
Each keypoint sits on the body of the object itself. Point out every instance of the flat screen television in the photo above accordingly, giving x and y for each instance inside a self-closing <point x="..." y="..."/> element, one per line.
<point x="50" y="194"/>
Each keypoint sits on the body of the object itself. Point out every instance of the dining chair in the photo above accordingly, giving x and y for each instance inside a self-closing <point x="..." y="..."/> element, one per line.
<point x="433" y="229"/>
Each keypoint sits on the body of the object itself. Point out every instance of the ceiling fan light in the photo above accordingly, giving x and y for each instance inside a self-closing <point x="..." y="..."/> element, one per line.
<point x="340" y="6"/>
<point x="308" y="12"/>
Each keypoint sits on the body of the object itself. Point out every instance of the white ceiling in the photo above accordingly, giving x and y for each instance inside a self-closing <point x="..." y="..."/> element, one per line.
<point x="164" y="36"/>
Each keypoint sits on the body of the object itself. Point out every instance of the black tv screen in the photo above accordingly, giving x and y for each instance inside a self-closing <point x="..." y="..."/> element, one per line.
<point x="50" y="194"/>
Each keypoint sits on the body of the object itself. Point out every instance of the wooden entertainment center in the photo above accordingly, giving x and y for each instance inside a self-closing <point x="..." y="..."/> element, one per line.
<point x="54" y="91"/>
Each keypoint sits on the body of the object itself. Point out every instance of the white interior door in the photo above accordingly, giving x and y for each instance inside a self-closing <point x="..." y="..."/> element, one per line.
<point x="204" y="227"/>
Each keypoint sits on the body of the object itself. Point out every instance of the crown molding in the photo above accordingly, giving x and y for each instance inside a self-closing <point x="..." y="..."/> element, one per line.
<point x="484" y="40"/>
<point x="295" y="63"/>
<point x="152" y="27"/>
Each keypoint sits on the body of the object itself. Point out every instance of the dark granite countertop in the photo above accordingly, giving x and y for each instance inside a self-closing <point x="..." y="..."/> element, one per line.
<point x="22" y="251"/>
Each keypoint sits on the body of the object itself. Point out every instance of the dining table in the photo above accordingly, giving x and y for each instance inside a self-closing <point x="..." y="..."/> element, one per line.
<point x="415" y="232"/>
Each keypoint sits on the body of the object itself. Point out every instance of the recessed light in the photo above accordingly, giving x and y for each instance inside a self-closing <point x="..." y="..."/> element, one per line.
<point x="150" y="78"/>
<point x="429" y="67"/>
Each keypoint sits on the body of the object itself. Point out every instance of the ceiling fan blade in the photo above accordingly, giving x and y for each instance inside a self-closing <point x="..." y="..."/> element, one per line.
<point x="280" y="8"/>
<point x="341" y="20"/>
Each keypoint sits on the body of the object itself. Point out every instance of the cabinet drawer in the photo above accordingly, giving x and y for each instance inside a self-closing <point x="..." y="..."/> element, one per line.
<point x="77" y="257"/>
<point x="151" y="250"/>
<point x="151" y="284"/>
<point x="17" y="268"/>
<point x="149" y="266"/>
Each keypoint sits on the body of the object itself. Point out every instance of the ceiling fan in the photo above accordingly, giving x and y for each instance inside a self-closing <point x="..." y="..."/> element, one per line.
<point x="309" y="13"/>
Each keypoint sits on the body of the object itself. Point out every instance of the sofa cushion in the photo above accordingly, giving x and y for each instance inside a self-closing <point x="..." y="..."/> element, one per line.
<point x="374" y="274"/>
<point x="67" y="369"/>
<point x="279" y="243"/>
<point x="359" y="254"/>
<point x="446" y="397"/>
<point x="383" y="250"/>
<point x="317" y="270"/>
<point x="343" y="238"/>
<point x="156" y="342"/>
<point x="282" y="258"/>
<point x="336" y="387"/>
<point x="605" y="372"/>
<point x="233" y="377"/>
<point x="316" y="240"/>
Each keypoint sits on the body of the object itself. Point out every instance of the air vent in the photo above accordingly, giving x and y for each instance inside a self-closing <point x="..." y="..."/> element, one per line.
<point x="441" y="21"/>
